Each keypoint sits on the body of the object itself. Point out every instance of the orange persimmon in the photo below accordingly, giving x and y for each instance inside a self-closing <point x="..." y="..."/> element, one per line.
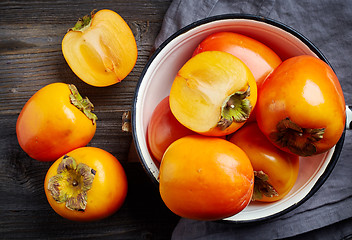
<point x="54" y="121"/>
<point x="205" y="178"/>
<point x="275" y="170"/>
<point x="301" y="107"/>
<point x="164" y="129"/>
<point x="86" y="184"/>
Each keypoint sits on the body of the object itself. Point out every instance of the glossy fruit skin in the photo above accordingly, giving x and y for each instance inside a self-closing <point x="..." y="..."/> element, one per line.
<point x="202" y="86"/>
<point x="103" y="53"/>
<point x="163" y="129"/>
<point x="281" y="167"/>
<point x="305" y="90"/>
<point x="49" y="126"/>
<point x="259" y="58"/>
<point x="109" y="187"/>
<point x="205" y="178"/>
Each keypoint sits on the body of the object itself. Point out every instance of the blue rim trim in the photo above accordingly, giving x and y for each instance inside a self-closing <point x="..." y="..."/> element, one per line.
<point x="312" y="47"/>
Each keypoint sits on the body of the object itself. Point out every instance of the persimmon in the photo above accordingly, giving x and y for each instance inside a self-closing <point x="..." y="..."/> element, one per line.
<point x="86" y="184"/>
<point x="213" y="93"/>
<point x="54" y="121"/>
<point x="163" y="129"/>
<point x="100" y="49"/>
<point x="275" y="171"/>
<point x="258" y="57"/>
<point x="301" y="107"/>
<point x="205" y="178"/>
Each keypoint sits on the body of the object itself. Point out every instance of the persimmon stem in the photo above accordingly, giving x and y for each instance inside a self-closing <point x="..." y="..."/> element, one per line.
<point x="71" y="183"/>
<point x="83" y="104"/>
<point x="262" y="187"/>
<point x="236" y="108"/>
<point x="300" y="141"/>
<point x="83" y="23"/>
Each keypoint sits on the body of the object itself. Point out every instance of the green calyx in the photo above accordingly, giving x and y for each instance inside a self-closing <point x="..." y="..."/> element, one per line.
<point x="236" y="108"/>
<point x="71" y="183"/>
<point x="83" y="104"/>
<point x="300" y="141"/>
<point x="262" y="187"/>
<point x="83" y="23"/>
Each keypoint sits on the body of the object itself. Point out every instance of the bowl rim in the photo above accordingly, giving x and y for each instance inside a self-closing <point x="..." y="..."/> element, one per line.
<point x="306" y="41"/>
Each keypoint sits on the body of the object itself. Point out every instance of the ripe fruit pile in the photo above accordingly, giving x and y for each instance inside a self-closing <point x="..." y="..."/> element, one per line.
<point x="246" y="118"/>
<point x="56" y="123"/>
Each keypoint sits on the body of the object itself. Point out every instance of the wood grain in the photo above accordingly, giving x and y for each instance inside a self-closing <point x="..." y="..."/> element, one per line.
<point x="30" y="58"/>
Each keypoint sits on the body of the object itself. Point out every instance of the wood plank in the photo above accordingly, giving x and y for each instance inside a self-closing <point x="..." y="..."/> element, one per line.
<point x="30" y="58"/>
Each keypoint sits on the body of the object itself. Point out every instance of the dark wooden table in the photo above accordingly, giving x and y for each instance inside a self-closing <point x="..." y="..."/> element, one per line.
<point x="30" y="58"/>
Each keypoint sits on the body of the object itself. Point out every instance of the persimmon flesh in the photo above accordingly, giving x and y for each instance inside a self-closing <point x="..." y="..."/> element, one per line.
<point x="213" y="93"/>
<point x="101" y="48"/>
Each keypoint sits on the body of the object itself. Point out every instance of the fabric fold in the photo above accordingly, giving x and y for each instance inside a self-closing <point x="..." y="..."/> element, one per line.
<point x="328" y="25"/>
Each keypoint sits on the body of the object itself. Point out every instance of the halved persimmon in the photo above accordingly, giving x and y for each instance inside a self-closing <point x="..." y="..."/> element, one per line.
<point x="101" y="48"/>
<point x="259" y="58"/>
<point x="213" y="93"/>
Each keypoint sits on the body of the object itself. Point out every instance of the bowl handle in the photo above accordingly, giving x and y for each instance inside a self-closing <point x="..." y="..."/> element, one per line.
<point x="348" y="117"/>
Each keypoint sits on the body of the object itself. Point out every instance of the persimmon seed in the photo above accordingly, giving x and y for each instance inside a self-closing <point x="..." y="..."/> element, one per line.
<point x="74" y="183"/>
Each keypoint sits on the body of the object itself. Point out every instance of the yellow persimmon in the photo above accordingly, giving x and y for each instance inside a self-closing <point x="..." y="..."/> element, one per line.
<point x="101" y="48"/>
<point x="213" y="93"/>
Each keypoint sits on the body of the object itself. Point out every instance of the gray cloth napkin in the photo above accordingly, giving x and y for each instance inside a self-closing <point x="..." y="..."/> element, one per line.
<point x="328" y="24"/>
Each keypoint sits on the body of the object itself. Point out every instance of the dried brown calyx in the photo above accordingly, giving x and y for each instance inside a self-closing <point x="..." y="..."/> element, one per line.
<point x="300" y="141"/>
<point x="262" y="187"/>
<point x="236" y="108"/>
<point x="71" y="183"/>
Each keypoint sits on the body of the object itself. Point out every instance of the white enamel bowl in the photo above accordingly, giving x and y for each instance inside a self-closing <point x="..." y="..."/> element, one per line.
<point x="156" y="79"/>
